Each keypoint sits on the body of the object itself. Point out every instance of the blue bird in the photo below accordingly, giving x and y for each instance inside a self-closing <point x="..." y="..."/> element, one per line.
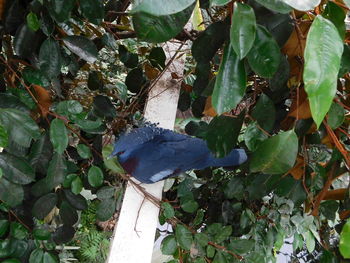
<point x="151" y="154"/>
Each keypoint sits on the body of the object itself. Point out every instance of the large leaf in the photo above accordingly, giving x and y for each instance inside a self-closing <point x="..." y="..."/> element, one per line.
<point x="302" y="5"/>
<point x="25" y="41"/>
<point x="265" y="56"/>
<point x="20" y="127"/>
<point x="276" y="155"/>
<point x="58" y="135"/>
<point x="160" y="20"/>
<point x="95" y="176"/>
<point x="276" y="5"/>
<point x="10" y="193"/>
<point x="183" y="237"/>
<point x="50" y="58"/>
<point x="17" y="170"/>
<point x="230" y="82"/>
<point x="344" y="244"/>
<point x="93" y="10"/>
<point x="60" y="9"/>
<point x="323" y="52"/>
<point x="243" y="29"/>
<point x="82" y="46"/>
<point x="43" y="206"/>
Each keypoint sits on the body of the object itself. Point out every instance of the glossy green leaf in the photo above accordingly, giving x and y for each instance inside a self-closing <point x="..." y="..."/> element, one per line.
<point x="4" y="226"/>
<point x="82" y="47"/>
<point x="36" y="256"/>
<point x="35" y="76"/>
<point x="16" y="169"/>
<point x="95" y="176"/>
<point x="157" y="57"/>
<point x="58" y="135"/>
<point x="169" y="245"/>
<point x="93" y="10"/>
<point x="111" y="163"/>
<point x="84" y="151"/>
<point x="50" y="258"/>
<point x="33" y="21"/>
<point x="336" y="116"/>
<point x="11" y="260"/>
<point x="264" y="113"/>
<point x="336" y="14"/>
<point x="46" y="23"/>
<point x="183" y="237"/>
<point x="160" y="20"/>
<point x="243" y="29"/>
<point x="188" y="204"/>
<point x="130" y="60"/>
<point x="265" y="56"/>
<point x="41" y="153"/>
<point x="3" y="137"/>
<point x="345" y="61"/>
<point x="253" y="136"/>
<point x="106" y="192"/>
<point x="276" y="5"/>
<point x="44" y="205"/>
<point x="230" y="82"/>
<point x="309" y="241"/>
<point x="60" y="10"/>
<point x="50" y="58"/>
<point x="323" y="52"/>
<point x="222" y="134"/>
<point x="241" y="246"/>
<point x="302" y="5"/>
<point x="218" y="2"/>
<point x="20" y="127"/>
<point x="276" y="155"/>
<point x="344" y="243"/>
<point x="105" y="209"/>
<point x="76" y="185"/>
<point x="135" y="80"/>
<point x="77" y="201"/>
<point x="25" y="41"/>
<point x="41" y="234"/>
<point x="12" y="194"/>
<point x="168" y="210"/>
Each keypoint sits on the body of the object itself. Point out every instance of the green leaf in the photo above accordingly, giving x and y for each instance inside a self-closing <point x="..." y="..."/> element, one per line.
<point x="84" y="151"/>
<point x="11" y="193"/>
<point x="58" y="135"/>
<point x="265" y="56"/>
<point x="93" y="10"/>
<point x="18" y="231"/>
<point x="160" y="20"/>
<point x="335" y="13"/>
<point x="344" y="243"/>
<point x="309" y="241"/>
<point x="323" y="52"/>
<point x="276" y="155"/>
<point x="234" y="189"/>
<point x="105" y="192"/>
<point x="218" y="2"/>
<point x="60" y="9"/>
<point x="130" y="60"/>
<point x="169" y="245"/>
<point x="49" y="258"/>
<point x="33" y="21"/>
<point x="135" y="80"/>
<point x="157" y="57"/>
<point x="3" y="137"/>
<point x="50" y="58"/>
<point x="68" y="214"/>
<point x="16" y="169"/>
<point x="4" y="226"/>
<point x="222" y="134"/>
<point x="183" y="237"/>
<point x="82" y="47"/>
<point x="230" y="82"/>
<point x="36" y="256"/>
<point x="188" y="204"/>
<point x="25" y="41"/>
<point x="345" y="61"/>
<point x="44" y="205"/>
<point x="219" y="258"/>
<point x="264" y="113"/>
<point x="336" y="116"/>
<point x="35" y="76"/>
<point x="111" y="163"/>
<point x="76" y="185"/>
<point x="11" y="260"/>
<point x="77" y="201"/>
<point x="20" y="127"/>
<point x="243" y="29"/>
<point x="224" y="233"/>
<point x="105" y="209"/>
<point x="41" y="234"/>
<point x="168" y="210"/>
<point x="302" y="5"/>
<point x="241" y="246"/>
<point x="95" y="176"/>
<point x="253" y="136"/>
<point x="276" y="5"/>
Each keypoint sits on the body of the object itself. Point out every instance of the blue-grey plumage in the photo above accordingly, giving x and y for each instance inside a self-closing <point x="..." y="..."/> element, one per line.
<point x="151" y="154"/>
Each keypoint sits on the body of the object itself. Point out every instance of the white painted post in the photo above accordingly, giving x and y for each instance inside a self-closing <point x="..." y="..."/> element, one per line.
<point x="135" y="231"/>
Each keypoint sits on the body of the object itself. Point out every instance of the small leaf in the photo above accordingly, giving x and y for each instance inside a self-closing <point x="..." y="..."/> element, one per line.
<point x="50" y="58"/>
<point x="95" y="176"/>
<point x="169" y="245"/>
<point x="188" y="204"/>
<point x="93" y="10"/>
<point x="276" y="155"/>
<point x="309" y="241"/>
<point x="33" y="21"/>
<point x="230" y="82"/>
<point x="44" y="205"/>
<point x="168" y="210"/>
<point x="105" y="192"/>
<point x="76" y="185"/>
<point x="18" y="231"/>
<point x="344" y="243"/>
<point x="58" y="135"/>
<point x="82" y="46"/>
<point x="265" y="56"/>
<point x="36" y="256"/>
<point x="84" y="151"/>
<point x="4" y="226"/>
<point x="183" y="237"/>
<point x="41" y="234"/>
<point x="68" y="214"/>
<point x="323" y="52"/>
<point x="264" y="113"/>
<point x="135" y="80"/>
<point x="49" y="258"/>
<point x="157" y="57"/>
<point x="243" y="29"/>
<point x="253" y="136"/>
<point x="336" y="116"/>
<point x="303" y="5"/>
<point x="106" y="209"/>
<point x="63" y="234"/>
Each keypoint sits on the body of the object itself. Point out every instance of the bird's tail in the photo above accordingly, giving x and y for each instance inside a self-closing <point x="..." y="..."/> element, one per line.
<point x="235" y="157"/>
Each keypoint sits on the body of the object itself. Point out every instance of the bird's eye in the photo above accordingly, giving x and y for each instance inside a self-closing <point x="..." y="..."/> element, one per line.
<point x="120" y="153"/>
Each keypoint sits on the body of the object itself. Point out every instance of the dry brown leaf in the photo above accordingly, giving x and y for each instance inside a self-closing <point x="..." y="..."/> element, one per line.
<point x="43" y="97"/>
<point x="151" y="72"/>
<point x="298" y="170"/>
<point x="209" y="110"/>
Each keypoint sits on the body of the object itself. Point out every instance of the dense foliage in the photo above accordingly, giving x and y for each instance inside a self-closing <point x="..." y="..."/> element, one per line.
<point x="270" y="76"/>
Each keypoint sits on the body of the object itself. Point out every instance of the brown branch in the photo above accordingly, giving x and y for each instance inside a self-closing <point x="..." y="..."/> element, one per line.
<point x="225" y="250"/>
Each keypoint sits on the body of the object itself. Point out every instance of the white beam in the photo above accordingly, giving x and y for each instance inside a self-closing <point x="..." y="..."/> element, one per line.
<point x="135" y="231"/>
